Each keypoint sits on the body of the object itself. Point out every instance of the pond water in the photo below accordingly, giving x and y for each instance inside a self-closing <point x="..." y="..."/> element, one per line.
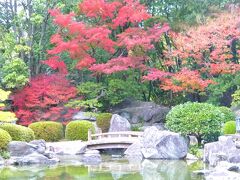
<point x="109" y="169"/>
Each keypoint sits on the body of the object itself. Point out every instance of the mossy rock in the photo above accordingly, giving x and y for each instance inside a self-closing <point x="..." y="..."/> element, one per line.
<point x="78" y="130"/>
<point x="48" y="130"/>
<point x="229" y="127"/>
<point x="5" y="138"/>
<point x="103" y="121"/>
<point x="18" y="132"/>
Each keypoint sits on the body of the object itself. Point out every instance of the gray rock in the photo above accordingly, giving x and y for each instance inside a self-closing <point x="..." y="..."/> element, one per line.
<point x="34" y="158"/>
<point x="224" y="149"/>
<point x="138" y="111"/>
<point x="163" y="144"/>
<point x="18" y="148"/>
<point x="155" y="144"/>
<point x="222" y="174"/>
<point x="134" y="150"/>
<point x="234" y="157"/>
<point x="41" y="145"/>
<point x="84" y="116"/>
<point x="119" y="123"/>
<point x="91" y="159"/>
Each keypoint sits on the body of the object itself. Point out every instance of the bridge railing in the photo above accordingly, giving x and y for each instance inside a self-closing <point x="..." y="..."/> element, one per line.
<point x="113" y="134"/>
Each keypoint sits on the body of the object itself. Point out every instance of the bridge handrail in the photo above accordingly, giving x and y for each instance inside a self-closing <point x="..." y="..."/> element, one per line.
<point x="109" y="134"/>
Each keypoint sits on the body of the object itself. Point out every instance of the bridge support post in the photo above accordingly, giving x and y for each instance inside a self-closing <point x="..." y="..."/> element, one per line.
<point x="89" y="135"/>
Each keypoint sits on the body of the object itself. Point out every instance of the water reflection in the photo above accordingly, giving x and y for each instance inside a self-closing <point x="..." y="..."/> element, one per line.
<point x="111" y="169"/>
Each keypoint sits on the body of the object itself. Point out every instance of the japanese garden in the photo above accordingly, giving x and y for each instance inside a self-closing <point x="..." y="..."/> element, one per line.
<point x="120" y="89"/>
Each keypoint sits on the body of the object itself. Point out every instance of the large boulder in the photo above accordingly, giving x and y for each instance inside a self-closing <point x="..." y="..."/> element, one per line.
<point x="163" y="144"/>
<point x="156" y="144"/>
<point x="139" y="112"/>
<point x="19" y="148"/>
<point x="34" y="152"/>
<point x="134" y="150"/>
<point x="225" y="149"/>
<point x="34" y="158"/>
<point x="118" y="123"/>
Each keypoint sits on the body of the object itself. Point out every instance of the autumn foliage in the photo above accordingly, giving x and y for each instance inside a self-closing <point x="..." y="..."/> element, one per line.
<point x="186" y="61"/>
<point x="43" y="99"/>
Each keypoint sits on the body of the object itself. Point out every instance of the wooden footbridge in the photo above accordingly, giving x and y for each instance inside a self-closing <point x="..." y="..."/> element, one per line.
<point x="112" y="140"/>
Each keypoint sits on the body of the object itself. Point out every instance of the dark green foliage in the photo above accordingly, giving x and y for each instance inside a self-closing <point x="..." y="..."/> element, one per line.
<point x="200" y="119"/>
<point x="119" y="89"/>
<point x="48" y="130"/>
<point x="78" y="130"/>
<point x="229" y="115"/>
<point x="5" y="138"/>
<point x="103" y="121"/>
<point x="18" y="133"/>
<point x="229" y="127"/>
<point x="220" y="92"/>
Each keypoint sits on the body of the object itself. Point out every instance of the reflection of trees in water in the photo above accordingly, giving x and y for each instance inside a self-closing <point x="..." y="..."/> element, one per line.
<point x="117" y="170"/>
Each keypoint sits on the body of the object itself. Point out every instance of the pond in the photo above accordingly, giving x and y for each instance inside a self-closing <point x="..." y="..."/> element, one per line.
<point x="109" y="169"/>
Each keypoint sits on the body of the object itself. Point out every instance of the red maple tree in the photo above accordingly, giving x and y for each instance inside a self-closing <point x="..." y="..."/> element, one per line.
<point x="43" y="99"/>
<point x="188" y="63"/>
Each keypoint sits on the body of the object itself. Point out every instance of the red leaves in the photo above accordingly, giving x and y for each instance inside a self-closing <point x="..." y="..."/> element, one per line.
<point x="42" y="94"/>
<point x="55" y="64"/>
<point x="85" y="62"/>
<point x="99" y="8"/>
<point x="130" y="11"/>
<point x="61" y="19"/>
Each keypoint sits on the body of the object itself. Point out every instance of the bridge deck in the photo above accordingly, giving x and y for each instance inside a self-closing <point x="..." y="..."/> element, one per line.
<point x="112" y="140"/>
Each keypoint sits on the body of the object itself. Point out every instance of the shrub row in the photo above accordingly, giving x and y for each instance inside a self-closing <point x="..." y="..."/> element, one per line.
<point x="54" y="131"/>
<point x="12" y="132"/>
<point x="48" y="130"/>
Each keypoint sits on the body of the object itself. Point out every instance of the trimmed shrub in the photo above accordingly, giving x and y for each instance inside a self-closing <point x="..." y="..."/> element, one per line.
<point x="18" y="132"/>
<point x="103" y="121"/>
<point x="229" y="127"/>
<point x="78" y="130"/>
<point x="5" y="138"/>
<point x="48" y="130"/>
<point x="229" y="115"/>
<point x="199" y="119"/>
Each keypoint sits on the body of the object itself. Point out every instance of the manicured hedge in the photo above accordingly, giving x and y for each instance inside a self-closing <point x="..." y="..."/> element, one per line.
<point x="103" y="121"/>
<point x="5" y="138"/>
<point x="200" y="119"/>
<point x="229" y="127"/>
<point x="48" y="130"/>
<point x="18" y="132"/>
<point x="78" y="130"/>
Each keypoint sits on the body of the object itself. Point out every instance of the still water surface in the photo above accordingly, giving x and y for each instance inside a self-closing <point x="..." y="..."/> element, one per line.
<point x="109" y="169"/>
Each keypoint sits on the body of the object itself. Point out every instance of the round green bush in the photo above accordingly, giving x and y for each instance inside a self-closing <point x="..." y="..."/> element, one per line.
<point x="78" y="130"/>
<point x="229" y="115"/>
<point x="5" y="138"/>
<point x="229" y="127"/>
<point x="199" y="119"/>
<point x="18" y="132"/>
<point x="103" y="121"/>
<point x="48" y="130"/>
